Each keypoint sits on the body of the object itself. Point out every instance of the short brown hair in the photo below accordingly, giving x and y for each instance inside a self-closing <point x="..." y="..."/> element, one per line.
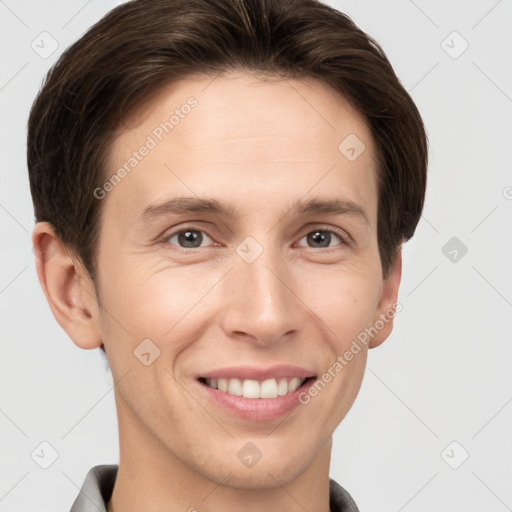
<point x="143" y="44"/>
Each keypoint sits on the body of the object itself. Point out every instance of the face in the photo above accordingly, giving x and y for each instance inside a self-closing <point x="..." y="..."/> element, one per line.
<point x="241" y="244"/>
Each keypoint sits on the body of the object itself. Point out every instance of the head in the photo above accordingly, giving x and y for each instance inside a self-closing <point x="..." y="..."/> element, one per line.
<point x="217" y="184"/>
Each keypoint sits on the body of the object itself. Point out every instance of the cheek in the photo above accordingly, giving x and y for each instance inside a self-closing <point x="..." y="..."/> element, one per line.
<point x="344" y="300"/>
<point x="142" y="311"/>
<point x="154" y="302"/>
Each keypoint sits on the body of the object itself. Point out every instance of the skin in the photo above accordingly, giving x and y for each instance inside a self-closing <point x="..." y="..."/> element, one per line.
<point x="259" y="145"/>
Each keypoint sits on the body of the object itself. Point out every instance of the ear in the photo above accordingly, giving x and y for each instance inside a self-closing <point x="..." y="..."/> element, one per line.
<point x="388" y="306"/>
<point x="67" y="287"/>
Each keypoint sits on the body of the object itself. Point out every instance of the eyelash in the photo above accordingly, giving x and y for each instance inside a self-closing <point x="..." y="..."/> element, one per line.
<point x="344" y="239"/>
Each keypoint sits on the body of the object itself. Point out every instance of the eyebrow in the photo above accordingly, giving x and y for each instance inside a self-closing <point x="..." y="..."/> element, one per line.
<point x="184" y="205"/>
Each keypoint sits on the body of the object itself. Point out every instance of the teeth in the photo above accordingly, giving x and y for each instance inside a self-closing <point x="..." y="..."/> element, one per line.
<point x="282" y="388"/>
<point x="222" y="384"/>
<point x="268" y="388"/>
<point x="235" y="387"/>
<point x="249" y="388"/>
<point x="294" y="384"/>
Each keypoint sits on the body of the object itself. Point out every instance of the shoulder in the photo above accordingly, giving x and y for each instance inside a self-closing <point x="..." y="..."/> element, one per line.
<point x="96" y="489"/>
<point x="339" y="499"/>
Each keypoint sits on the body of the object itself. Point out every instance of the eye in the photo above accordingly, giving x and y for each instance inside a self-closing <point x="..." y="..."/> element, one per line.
<point x="322" y="238"/>
<point x="188" y="238"/>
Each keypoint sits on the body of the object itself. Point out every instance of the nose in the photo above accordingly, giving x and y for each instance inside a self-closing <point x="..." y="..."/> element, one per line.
<point x="261" y="304"/>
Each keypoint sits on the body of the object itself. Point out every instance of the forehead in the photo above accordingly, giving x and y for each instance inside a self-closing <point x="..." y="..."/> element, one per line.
<point x="245" y="137"/>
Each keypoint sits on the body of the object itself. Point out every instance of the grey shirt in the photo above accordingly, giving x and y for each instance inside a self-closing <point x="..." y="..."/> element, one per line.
<point x="99" y="483"/>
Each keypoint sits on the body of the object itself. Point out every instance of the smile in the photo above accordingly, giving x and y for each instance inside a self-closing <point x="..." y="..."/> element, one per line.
<point x="250" y="388"/>
<point x="256" y="393"/>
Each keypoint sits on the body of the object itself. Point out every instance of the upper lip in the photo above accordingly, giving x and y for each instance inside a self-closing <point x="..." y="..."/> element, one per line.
<point x="252" y="372"/>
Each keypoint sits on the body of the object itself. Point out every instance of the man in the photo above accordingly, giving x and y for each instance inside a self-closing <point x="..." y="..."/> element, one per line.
<point x="221" y="191"/>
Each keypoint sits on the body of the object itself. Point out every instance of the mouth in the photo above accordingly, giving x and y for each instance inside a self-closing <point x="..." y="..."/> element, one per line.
<point x="256" y="389"/>
<point x="256" y="394"/>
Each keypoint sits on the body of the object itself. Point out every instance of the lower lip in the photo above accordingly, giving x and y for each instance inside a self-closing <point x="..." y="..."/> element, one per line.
<point x="257" y="409"/>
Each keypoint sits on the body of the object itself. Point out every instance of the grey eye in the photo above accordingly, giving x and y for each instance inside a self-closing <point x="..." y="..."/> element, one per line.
<point x="188" y="238"/>
<point x="321" y="238"/>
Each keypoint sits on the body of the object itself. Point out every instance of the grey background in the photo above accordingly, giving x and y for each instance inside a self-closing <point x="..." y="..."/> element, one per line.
<point x="444" y="374"/>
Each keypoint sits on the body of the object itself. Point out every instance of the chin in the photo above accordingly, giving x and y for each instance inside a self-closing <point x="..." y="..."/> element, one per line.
<point x="264" y="476"/>
<point x="275" y="468"/>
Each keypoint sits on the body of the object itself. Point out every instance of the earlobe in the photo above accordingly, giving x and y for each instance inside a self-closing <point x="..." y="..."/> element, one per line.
<point x="387" y="308"/>
<point x="67" y="287"/>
